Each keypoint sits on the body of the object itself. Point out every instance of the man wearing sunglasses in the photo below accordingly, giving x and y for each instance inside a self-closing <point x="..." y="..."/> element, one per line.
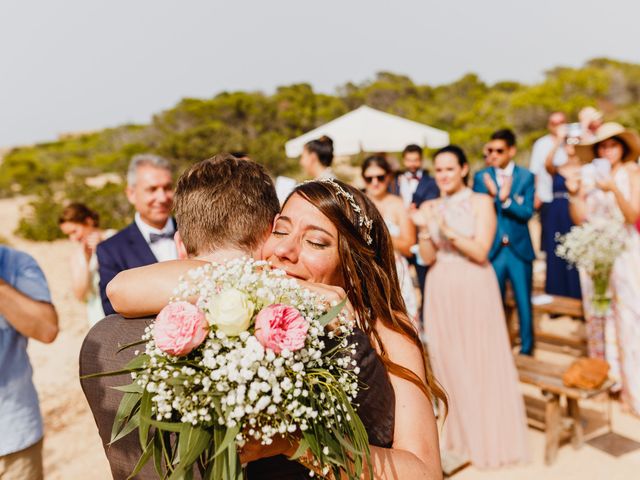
<point x="511" y="255"/>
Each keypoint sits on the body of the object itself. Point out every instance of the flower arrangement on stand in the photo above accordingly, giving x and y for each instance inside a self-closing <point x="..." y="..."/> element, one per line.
<point x="249" y="361"/>
<point x="594" y="247"/>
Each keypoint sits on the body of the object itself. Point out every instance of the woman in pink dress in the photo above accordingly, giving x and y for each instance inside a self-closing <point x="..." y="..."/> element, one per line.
<point x="464" y="321"/>
<point x="614" y="195"/>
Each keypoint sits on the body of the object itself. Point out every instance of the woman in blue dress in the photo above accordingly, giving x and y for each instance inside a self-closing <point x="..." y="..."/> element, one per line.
<point x="562" y="278"/>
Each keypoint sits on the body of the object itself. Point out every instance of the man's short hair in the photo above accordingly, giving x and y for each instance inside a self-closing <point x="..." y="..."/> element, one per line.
<point x="505" y="134"/>
<point x="413" y="148"/>
<point x="224" y="202"/>
<point x="144" y="159"/>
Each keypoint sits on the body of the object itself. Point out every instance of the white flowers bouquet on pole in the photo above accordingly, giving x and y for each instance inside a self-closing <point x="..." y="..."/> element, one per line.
<point x="249" y="361"/>
<point x="594" y="247"/>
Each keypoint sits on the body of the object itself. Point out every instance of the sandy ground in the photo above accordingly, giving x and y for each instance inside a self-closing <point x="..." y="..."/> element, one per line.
<point x="72" y="448"/>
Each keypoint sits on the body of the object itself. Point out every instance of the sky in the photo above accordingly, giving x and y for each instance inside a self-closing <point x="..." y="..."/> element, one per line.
<point x="76" y="65"/>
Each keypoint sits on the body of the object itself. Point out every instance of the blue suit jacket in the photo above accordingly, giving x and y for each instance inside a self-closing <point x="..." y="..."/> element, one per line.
<point x="427" y="188"/>
<point x="513" y="219"/>
<point x="126" y="249"/>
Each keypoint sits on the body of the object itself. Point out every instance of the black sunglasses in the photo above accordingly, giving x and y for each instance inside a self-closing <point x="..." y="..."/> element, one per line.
<point x="499" y="151"/>
<point x="380" y="178"/>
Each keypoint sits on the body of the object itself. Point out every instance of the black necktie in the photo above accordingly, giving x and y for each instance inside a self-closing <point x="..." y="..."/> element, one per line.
<point x="156" y="237"/>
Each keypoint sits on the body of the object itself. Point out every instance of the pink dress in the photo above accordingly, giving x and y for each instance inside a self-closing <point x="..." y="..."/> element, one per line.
<point x="469" y="349"/>
<point x="621" y="343"/>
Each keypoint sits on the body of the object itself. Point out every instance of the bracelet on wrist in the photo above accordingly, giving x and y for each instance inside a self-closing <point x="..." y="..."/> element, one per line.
<point x="424" y="236"/>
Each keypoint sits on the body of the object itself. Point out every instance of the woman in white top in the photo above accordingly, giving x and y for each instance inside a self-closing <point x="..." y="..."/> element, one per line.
<point x="376" y="173"/>
<point x="80" y="224"/>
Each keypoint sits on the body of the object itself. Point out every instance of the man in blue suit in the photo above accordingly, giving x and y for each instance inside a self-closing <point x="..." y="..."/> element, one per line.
<point x="512" y="253"/>
<point x="149" y="238"/>
<point x="414" y="184"/>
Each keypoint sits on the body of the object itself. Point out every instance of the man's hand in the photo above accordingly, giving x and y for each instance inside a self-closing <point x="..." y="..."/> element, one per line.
<point x="505" y="189"/>
<point x="492" y="188"/>
<point x="254" y="450"/>
<point x="333" y="295"/>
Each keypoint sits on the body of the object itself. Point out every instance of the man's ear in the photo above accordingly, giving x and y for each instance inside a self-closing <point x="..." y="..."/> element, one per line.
<point x="182" y="250"/>
<point x="512" y="152"/>
<point x="131" y="194"/>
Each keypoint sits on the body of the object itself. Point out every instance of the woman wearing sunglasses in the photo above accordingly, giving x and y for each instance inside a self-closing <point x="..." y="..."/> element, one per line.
<point x="376" y="173"/>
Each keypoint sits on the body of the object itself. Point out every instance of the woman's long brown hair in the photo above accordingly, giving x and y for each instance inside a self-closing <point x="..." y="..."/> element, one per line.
<point x="369" y="273"/>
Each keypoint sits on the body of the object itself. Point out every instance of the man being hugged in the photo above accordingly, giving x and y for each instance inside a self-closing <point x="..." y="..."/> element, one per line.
<point x="512" y="255"/>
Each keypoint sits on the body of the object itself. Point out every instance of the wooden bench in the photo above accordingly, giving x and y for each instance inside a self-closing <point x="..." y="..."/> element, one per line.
<point x="561" y="306"/>
<point x="547" y="415"/>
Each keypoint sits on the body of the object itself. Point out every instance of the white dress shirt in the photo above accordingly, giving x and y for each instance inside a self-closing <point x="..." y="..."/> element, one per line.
<point x="163" y="249"/>
<point x="407" y="185"/>
<point x="507" y="171"/>
<point x="544" y="182"/>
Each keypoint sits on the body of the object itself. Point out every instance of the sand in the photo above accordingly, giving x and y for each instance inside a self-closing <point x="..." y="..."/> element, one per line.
<point x="72" y="447"/>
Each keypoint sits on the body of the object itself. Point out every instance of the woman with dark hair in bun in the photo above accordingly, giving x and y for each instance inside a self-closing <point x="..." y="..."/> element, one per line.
<point x="317" y="157"/>
<point x="80" y="224"/>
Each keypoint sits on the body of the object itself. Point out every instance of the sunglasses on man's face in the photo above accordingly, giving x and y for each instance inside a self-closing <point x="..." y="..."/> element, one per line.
<point x="380" y="178"/>
<point x="499" y="151"/>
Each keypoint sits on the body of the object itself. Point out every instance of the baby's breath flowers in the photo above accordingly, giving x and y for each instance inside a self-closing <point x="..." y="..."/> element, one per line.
<point x="266" y="367"/>
<point x="594" y="247"/>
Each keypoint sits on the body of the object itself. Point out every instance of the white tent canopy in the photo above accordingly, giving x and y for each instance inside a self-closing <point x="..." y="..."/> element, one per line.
<point x="369" y="130"/>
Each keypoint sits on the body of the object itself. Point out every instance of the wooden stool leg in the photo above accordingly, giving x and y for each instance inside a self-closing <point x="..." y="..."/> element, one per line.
<point x="553" y="427"/>
<point x="577" y="436"/>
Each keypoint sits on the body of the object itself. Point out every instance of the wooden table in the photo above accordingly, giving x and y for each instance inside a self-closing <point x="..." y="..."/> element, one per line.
<point x="547" y="415"/>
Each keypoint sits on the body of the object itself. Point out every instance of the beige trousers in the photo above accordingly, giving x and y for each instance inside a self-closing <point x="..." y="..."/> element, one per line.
<point x="23" y="465"/>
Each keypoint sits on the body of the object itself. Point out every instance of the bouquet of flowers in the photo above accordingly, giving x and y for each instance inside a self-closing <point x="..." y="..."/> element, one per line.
<point x="594" y="247"/>
<point x="249" y="360"/>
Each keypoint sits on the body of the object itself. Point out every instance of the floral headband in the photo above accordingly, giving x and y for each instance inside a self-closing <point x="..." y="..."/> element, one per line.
<point x="364" y="222"/>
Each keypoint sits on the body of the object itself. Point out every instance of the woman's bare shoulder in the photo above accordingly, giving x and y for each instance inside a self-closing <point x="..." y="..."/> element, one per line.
<point x="400" y="348"/>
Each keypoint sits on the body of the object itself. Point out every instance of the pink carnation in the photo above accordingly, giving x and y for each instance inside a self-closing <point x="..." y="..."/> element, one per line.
<point x="281" y="327"/>
<point x="180" y="327"/>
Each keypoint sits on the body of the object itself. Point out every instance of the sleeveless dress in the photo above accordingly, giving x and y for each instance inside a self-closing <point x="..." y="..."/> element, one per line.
<point x="376" y="407"/>
<point x="470" y="351"/>
<point x="621" y="343"/>
<point x="562" y="279"/>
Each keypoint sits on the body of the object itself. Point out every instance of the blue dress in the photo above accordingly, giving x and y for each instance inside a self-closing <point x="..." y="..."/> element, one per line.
<point x="562" y="278"/>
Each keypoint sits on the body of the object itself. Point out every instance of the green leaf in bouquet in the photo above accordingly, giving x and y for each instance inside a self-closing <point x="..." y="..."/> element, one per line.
<point x="127" y="405"/>
<point x="136" y="364"/>
<point x="158" y="450"/>
<point x="145" y="416"/>
<point x="228" y="439"/>
<point x="303" y="446"/>
<point x="132" y="424"/>
<point x="144" y="458"/>
<point x="131" y="388"/>
<point x="332" y="313"/>
<point x="192" y="441"/>
<point x="166" y="426"/>
<point x="129" y="345"/>
<point x="233" y="459"/>
<point x="138" y="361"/>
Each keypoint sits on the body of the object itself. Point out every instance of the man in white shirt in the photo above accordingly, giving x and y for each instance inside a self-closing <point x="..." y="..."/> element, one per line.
<point x="149" y="239"/>
<point x="544" y="181"/>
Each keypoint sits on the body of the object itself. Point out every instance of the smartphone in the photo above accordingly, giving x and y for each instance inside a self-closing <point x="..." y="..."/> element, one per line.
<point x="602" y="168"/>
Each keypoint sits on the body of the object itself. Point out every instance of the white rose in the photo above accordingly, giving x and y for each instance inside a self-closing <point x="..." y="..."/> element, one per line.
<point x="230" y="311"/>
